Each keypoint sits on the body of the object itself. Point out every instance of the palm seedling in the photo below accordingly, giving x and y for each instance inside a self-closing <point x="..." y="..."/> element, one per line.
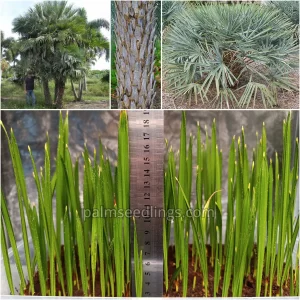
<point x="86" y="250"/>
<point x="230" y="55"/>
<point x="261" y="227"/>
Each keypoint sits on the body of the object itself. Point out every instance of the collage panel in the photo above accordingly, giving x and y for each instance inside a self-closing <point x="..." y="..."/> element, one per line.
<point x="55" y="55"/>
<point x="226" y="207"/>
<point x="230" y="54"/>
<point x="149" y="149"/>
<point x="136" y="54"/>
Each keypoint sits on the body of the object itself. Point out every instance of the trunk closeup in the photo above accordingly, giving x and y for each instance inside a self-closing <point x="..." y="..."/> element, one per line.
<point x="135" y="53"/>
<point x="47" y="94"/>
<point x="60" y="93"/>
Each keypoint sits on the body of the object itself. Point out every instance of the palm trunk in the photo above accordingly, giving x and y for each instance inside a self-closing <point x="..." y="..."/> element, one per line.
<point x="81" y="88"/>
<point x="56" y="89"/>
<point x="135" y="53"/>
<point x="47" y="94"/>
<point x="60" y="93"/>
<point x="74" y="91"/>
<point x="84" y="83"/>
<point x="78" y="97"/>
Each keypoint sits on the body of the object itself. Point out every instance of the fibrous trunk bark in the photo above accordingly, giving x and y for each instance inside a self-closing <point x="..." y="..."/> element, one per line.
<point x="135" y="54"/>
<point x="84" y="83"/>
<point x="56" y="89"/>
<point x="60" y="93"/>
<point x="47" y="94"/>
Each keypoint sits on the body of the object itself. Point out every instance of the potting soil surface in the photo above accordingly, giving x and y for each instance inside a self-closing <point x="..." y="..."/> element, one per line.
<point x="199" y="291"/>
<point x="248" y="288"/>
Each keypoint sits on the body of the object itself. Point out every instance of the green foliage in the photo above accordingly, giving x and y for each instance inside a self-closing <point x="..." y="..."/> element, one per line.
<point x="260" y="214"/>
<point x="9" y="49"/>
<point x="114" y="82"/>
<point x="157" y="69"/>
<point x="289" y="8"/>
<point x="170" y="9"/>
<point x="211" y="52"/>
<point x="138" y="263"/>
<point x="4" y="249"/>
<point x="92" y="243"/>
<point x="103" y="75"/>
<point x="6" y="223"/>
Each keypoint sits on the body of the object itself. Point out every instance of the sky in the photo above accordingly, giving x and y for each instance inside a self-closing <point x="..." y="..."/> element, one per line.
<point x="10" y="9"/>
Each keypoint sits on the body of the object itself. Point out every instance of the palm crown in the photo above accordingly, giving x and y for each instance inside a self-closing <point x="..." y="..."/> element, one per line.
<point x="250" y="47"/>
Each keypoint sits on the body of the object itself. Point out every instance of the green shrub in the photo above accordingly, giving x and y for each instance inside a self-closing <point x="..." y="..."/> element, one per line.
<point x="223" y="48"/>
<point x="105" y="76"/>
<point x="113" y="79"/>
<point x="157" y="69"/>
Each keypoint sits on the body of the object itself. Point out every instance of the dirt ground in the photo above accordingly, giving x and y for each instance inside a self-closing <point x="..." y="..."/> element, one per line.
<point x="249" y="286"/>
<point x="286" y="100"/>
<point x="87" y="105"/>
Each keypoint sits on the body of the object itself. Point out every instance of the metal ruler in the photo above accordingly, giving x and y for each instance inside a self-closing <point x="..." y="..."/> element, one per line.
<point x="146" y="152"/>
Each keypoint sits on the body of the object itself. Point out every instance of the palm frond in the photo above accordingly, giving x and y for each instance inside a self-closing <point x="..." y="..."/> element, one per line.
<point x="216" y="46"/>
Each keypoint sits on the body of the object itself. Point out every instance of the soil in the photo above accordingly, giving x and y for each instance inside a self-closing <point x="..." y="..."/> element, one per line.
<point x="248" y="289"/>
<point x="87" y="104"/>
<point x="249" y="282"/>
<point x="77" y="291"/>
<point x="286" y="99"/>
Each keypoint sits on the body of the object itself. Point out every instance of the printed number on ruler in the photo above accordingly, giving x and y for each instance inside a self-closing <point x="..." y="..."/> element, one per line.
<point x="146" y="139"/>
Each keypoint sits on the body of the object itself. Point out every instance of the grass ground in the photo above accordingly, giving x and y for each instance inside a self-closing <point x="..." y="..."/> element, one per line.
<point x="13" y="96"/>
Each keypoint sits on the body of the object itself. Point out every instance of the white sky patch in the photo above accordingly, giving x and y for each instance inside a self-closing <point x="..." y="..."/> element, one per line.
<point x="10" y="9"/>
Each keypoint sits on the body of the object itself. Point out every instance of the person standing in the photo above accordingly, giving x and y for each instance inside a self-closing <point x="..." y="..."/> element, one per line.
<point x="29" y="87"/>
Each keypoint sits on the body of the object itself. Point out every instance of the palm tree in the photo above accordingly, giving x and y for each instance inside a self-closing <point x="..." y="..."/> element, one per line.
<point x="96" y="46"/>
<point x="44" y="30"/>
<point x="67" y="63"/>
<point x="9" y="49"/>
<point x="135" y="29"/>
<point x="60" y="43"/>
<point x="4" y="65"/>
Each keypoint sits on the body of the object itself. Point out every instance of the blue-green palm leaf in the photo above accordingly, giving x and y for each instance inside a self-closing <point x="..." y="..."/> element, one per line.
<point x="221" y="46"/>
